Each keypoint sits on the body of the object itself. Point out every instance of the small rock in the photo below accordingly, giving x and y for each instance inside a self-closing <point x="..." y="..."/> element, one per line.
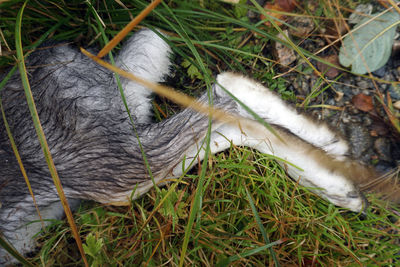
<point x="326" y="113"/>
<point x="283" y="54"/>
<point x="303" y="26"/>
<point x="363" y="84"/>
<point x="305" y="88"/>
<point x="345" y="118"/>
<point x="353" y="110"/>
<point x="373" y="133"/>
<point x="382" y="147"/>
<point x="330" y="101"/>
<point x="394" y="91"/>
<point x="388" y="76"/>
<point x="380" y="72"/>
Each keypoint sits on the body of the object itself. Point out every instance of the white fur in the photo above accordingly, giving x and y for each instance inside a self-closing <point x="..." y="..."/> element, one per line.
<point x="150" y="60"/>
<point x="307" y="170"/>
<point x="275" y="111"/>
<point x="331" y="186"/>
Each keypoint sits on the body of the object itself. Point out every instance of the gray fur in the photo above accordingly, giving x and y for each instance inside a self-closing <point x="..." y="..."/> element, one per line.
<point x="90" y="136"/>
<point x="95" y="149"/>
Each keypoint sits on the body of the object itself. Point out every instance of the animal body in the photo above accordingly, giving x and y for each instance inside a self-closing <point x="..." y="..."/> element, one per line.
<point x="97" y="154"/>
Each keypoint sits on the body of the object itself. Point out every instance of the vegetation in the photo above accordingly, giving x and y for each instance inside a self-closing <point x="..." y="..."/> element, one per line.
<point x="242" y="210"/>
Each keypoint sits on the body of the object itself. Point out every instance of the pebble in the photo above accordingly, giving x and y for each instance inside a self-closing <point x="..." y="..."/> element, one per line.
<point x="380" y="72"/>
<point x="363" y="84"/>
<point x="394" y="92"/>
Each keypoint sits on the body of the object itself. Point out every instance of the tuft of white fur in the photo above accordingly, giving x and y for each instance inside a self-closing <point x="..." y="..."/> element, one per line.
<point x="274" y="110"/>
<point x="146" y="55"/>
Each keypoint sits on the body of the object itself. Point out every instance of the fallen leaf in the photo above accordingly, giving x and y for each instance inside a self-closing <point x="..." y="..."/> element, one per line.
<point x="280" y="6"/>
<point x="363" y="102"/>
<point x="286" y="5"/>
<point x="368" y="48"/>
<point x="329" y="71"/>
<point x="270" y="10"/>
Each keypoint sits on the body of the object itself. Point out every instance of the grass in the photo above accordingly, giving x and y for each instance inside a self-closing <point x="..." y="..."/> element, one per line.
<point x="248" y="212"/>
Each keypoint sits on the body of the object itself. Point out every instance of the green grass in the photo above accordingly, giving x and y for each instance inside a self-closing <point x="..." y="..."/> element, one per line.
<point x="247" y="212"/>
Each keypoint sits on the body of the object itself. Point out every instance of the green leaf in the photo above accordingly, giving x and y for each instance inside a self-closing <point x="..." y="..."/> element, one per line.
<point x="168" y="207"/>
<point x="369" y="47"/>
<point x="92" y="246"/>
<point x="192" y="70"/>
<point x="240" y="9"/>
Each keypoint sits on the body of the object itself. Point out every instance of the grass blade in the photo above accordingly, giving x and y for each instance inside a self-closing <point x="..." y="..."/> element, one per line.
<point x="40" y="133"/>
<point x="261" y="227"/>
<point x="226" y="262"/>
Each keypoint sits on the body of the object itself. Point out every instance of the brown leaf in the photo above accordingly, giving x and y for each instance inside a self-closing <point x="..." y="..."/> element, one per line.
<point x="363" y="102"/>
<point x="286" y="5"/>
<point x="279" y="5"/>
<point x="329" y="71"/>
<point x="270" y="10"/>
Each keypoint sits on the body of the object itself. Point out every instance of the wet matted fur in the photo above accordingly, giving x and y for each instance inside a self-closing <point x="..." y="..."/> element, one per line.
<point x="97" y="154"/>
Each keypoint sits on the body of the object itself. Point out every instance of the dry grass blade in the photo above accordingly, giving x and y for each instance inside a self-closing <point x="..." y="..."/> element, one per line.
<point x="121" y="35"/>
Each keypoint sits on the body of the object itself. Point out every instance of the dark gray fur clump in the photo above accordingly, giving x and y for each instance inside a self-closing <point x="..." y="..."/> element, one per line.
<point x="91" y="139"/>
